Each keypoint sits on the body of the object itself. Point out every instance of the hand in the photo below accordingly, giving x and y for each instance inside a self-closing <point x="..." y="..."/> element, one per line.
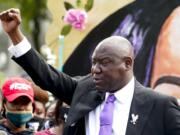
<point x="11" y="20"/>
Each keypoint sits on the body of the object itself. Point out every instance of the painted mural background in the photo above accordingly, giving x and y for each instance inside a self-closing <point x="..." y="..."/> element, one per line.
<point x="151" y="25"/>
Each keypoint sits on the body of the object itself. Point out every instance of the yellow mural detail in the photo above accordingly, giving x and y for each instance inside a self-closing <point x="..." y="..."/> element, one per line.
<point x="100" y="10"/>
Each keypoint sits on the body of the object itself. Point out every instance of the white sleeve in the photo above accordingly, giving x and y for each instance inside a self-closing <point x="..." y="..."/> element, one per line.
<point x="20" y="49"/>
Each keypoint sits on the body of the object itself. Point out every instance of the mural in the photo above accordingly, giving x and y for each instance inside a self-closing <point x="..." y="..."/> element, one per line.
<point x="152" y="27"/>
<point x="141" y="22"/>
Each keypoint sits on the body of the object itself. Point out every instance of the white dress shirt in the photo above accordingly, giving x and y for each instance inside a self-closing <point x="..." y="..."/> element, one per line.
<point x="20" y="49"/>
<point x="122" y="104"/>
<point x="120" y="115"/>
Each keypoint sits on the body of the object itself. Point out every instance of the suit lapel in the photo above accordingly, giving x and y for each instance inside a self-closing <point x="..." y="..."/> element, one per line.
<point x="141" y="107"/>
<point x="85" y="100"/>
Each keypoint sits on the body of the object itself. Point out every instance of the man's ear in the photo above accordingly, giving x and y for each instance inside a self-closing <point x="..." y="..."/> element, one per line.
<point x="128" y="63"/>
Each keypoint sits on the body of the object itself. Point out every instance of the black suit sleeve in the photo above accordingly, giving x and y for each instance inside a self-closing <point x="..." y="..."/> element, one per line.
<point x="172" y="117"/>
<point x="47" y="77"/>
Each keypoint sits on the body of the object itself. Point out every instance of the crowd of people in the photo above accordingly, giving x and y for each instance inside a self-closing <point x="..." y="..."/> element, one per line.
<point x="108" y="101"/>
<point x="24" y="112"/>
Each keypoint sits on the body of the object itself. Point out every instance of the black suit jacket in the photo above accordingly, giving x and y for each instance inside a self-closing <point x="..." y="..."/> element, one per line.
<point x="157" y="114"/>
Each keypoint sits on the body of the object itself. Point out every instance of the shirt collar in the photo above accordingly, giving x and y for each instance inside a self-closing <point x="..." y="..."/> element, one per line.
<point x="125" y="94"/>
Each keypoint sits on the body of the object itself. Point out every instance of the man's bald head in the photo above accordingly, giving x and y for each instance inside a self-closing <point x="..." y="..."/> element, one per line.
<point x="119" y="44"/>
<point x="112" y="63"/>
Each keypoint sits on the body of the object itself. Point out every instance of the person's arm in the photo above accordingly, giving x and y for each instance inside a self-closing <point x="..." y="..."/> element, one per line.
<point x="11" y="20"/>
<point x="46" y="76"/>
<point x="42" y="74"/>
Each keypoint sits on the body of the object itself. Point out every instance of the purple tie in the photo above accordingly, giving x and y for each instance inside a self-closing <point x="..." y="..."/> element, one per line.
<point x="106" y="116"/>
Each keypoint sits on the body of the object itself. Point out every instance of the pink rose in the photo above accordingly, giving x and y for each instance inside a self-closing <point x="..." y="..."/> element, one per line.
<point x="77" y="18"/>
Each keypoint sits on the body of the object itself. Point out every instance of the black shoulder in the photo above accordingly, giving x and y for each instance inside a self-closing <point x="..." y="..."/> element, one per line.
<point x="150" y="93"/>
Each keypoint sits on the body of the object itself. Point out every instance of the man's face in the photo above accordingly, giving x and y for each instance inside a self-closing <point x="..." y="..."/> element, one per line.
<point x="108" y="69"/>
<point x="20" y="104"/>
<point x="39" y="110"/>
<point x="18" y="112"/>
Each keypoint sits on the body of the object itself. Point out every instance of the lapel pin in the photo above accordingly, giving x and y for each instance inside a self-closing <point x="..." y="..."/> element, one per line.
<point x="134" y="118"/>
<point x="65" y="117"/>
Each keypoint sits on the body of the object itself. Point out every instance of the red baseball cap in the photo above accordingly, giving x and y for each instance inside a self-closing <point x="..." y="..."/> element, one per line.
<point x="16" y="87"/>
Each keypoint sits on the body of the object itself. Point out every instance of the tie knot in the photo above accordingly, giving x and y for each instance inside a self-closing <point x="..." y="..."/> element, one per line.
<point x="111" y="98"/>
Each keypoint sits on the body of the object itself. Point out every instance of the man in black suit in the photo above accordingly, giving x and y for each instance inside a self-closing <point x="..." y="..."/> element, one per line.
<point x="137" y="110"/>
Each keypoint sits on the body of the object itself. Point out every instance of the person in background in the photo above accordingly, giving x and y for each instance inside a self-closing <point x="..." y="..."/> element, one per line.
<point x="51" y="113"/>
<point x="60" y="116"/>
<point x="50" y="110"/>
<point x="169" y="85"/>
<point x="18" y="100"/>
<point x="40" y="99"/>
<point x="109" y="101"/>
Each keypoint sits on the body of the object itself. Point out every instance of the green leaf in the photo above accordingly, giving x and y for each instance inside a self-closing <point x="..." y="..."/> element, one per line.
<point x="88" y="6"/>
<point x="68" y="5"/>
<point x="66" y="29"/>
<point x="78" y="3"/>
